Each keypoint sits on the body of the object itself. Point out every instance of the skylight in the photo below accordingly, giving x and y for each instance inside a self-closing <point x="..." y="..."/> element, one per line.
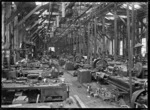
<point x="136" y="6"/>
<point x="109" y="13"/>
<point x="41" y="3"/>
<point x="110" y="18"/>
<point x="123" y="16"/>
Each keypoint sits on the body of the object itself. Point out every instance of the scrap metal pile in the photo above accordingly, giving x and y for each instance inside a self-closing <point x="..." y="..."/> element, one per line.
<point x="33" y="81"/>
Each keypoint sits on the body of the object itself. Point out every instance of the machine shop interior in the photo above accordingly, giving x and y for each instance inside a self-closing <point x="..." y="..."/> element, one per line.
<point x="74" y="54"/>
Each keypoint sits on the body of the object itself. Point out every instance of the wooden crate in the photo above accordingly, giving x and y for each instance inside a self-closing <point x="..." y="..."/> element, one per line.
<point x="69" y="66"/>
<point x="84" y="76"/>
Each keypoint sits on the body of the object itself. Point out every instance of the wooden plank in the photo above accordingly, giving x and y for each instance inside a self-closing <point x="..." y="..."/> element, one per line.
<point x="28" y="15"/>
<point x="79" y="101"/>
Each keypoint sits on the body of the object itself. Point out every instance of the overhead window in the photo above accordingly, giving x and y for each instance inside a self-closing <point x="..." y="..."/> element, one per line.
<point x="143" y="50"/>
<point x="121" y="48"/>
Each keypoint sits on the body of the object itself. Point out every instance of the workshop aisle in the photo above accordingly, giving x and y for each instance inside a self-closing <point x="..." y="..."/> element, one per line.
<point x="77" y="89"/>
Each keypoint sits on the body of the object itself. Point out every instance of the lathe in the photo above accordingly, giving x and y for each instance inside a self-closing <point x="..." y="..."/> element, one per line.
<point x="118" y="76"/>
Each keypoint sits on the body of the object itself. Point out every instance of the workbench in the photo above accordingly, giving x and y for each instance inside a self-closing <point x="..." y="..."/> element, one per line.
<point x="45" y="105"/>
<point x="47" y="90"/>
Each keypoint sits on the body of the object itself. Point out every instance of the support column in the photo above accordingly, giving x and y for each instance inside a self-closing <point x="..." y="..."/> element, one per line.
<point x="3" y="19"/>
<point x="8" y="14"/>
<point x="147" y="31"/>
<point x="79" y="32"/>
<point x="73" y="40"/>
<point x="118" y="39"/>
<point x="103" y="32"/>
<point x="92" y="35"/>
<point x="95" y="38"/>
<point x="123" y="41"/>
<point x="72" y="43"/>
<point x="88" y="43"/>
<point x="135" y="31"/>
<point x="3" y="30"/>
<point x="129" y="50"/>
<point x="133" y="35"/>
<point x="78" y="42"/>
<point x="115" y="32"/>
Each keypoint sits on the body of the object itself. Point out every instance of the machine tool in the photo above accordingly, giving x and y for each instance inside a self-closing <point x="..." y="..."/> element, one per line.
<point x="115" y="76"/>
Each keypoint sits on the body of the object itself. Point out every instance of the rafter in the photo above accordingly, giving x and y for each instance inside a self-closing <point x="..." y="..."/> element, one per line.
<point x="28" y="15"/>
<point x="35" y="18"/>
<point x="14" y="14"/>
<point x="34" y="25"/>
<point x="37" y="29"/>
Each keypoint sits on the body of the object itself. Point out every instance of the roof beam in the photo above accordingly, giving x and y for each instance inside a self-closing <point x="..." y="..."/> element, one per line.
<point x="34" y="39"/>
<point x="35" y="17"/>
<point x="37" y="29"/>
<point x="125" y="23"/>
<point x="76" y="19"/>
<point x="35" y="32"/>
<point x="28" y="15"/>
<point x="34" y="25"/>
<point x="14" y="14"/>
<point x="99" y="13"/>
<point x="143" y="23"/>
<point x="34" y="36"/>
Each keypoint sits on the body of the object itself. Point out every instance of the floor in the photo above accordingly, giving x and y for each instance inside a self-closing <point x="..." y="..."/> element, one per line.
<point x="78" y="89"/>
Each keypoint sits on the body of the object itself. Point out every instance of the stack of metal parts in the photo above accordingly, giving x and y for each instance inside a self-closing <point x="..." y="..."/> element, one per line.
<point x="103" y="93"/>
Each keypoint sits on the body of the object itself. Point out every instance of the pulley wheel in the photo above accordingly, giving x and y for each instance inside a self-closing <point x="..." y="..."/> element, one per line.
<point x="135" y="96"/>
<point x="100" y="63"/>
